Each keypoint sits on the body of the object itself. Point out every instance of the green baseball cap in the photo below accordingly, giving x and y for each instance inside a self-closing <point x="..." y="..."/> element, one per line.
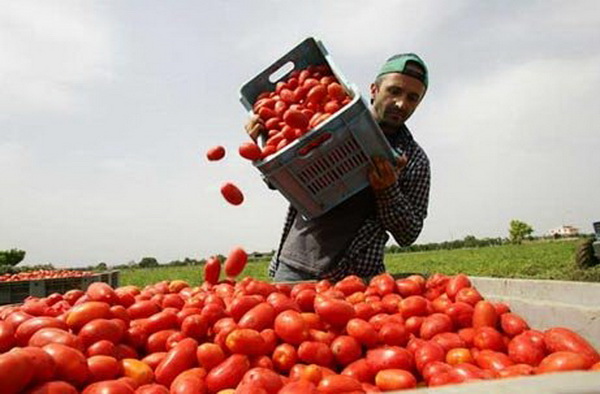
<point x="408" y="64"/>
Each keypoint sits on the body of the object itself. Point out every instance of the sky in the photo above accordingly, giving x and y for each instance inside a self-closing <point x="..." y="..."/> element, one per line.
<point x="108" y="107"/>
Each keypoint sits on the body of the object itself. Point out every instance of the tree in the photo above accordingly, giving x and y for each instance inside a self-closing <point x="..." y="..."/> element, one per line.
<point x="519" y="230"/>
<point x="148" y="262"/>
<point x="11" y="257"/>
<point x="101" y="267"/>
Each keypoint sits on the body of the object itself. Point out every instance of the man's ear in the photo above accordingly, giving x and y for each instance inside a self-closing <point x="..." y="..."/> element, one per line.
<point x="373" y="89"/>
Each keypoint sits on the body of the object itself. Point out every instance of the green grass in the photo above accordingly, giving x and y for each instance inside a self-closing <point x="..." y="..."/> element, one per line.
<point x="539" y="260"/>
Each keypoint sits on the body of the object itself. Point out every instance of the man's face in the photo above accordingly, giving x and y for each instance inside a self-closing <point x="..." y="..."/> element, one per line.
<point x="396" y="98"/>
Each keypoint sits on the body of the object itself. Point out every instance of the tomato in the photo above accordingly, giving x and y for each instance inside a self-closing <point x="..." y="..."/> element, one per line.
<point x="461" y="314"/>
<point x="359" y="370"/>
<point x="484" y="315"/>
<point x="103" y="368"/>
<point x="157" y="342"/>
<point x="299" y="387"/>
<point x="29" y="327"/>
<point x="350" y="284"/>
<point x="100" y="291"/>
<point x="362" y="331"/>
<point x="563" y="339"/>
<point x="71" y="364"/>
<point x="236" y="261"/>
<point x="312" y="352"/>
<point x="434" y="369"/>
<point x="109" y="386"/>
<point x="264" y="378"/>
<point x="189" y="381"/>
<point x="467" y="335"/>
<point x="291" y="327"/>
<point x="181" y="357"/>
<point x="232" y="194"/>
<point x="333" y="311"/>
<point x="488" y="338"/>
<point x="413" y="324"/>
<point x="140" y="371"/>
<point x="488" y="359"/>
<point x="413" y="306"/>
<point x="449" y="340"/>
<point x="390" y="357"/>
<point x="163" y="320"/>
<point x="395" y="379"/>
<point x="512" y="324"/>
<point x="85" y="312"/>
<point x="459" y="355"/>
<point x="523" y="349"/>
<point x="101" y="329"/>
<point x="215" y="153"/>
<point x="393" y="334"/>
<point x="46" y="336"/>
<point x="295" y="118"/>
<point x="434" y="324"/>
<point x="228" y="374"/>
<point x="15" y="319"/>
<point x="245" y="341"/>
<point x="142" y="309"/>
<point x="7" y="336"/>
<point x="346" y="349"/>
<point x="333" y="384"/>
<point x="427" y="353"/>
<point x="468" y="295"/>
<point x="407" y="287"/>
<point x="153" y="359"/>
<point x="563" y="361"/>
<point x="516" y="370"/>
<point x="154" y="388"/>
<point x="281" y="302"/>
<point x="56" y="387"/>
<point x="259" y="317"/>
<point x="456" y="283"/>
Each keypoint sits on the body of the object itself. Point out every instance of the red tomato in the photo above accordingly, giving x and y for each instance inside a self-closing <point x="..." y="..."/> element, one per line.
<point x="56" y="387"/>
<point x="195" y="326"/>
<point x="142" y="309"/>
<point x="284" y="357"/>
<point x="362" y="331"/>
<point x="488" y="338"/>
<point x="516" y="370"/>
<point x="484" y="315"/>
<point x="390" y="357"/>
<point x="299" y="387"/>
<point x="101" y="329"/>
<point x="523" y="350"/>
<point x="232" y="193"/>
<point x="103" y="368"/>
<point x="281" y="302"/>
<point x="250" y="151"/>
<point x="71" y="364"/>
<point x="395" y="379"/>
<point x="563" y="361"/>
<point x="459" y="355"/>
<point x="46" y="336"/>
<point x="153" y="388"/>
<point x="215" y="153"/>
<point x="427" y="353"/>
<point x="449" y="340"/>
<point x="235" y="262"/>
<point x="109" y="386"/>
<point x="291" y="327"/>
<point x="85" y="312"/>
<point x="434" y="369"/>
<point x="189" y="381"/>
<point x="563" y="339"/>
<point x="100" y="291"/>
<point x="335" y="312"/>
<point x="488" y="359"/>
<point x="512" y="324"/>
<point x="461" y="314"/>
<point x="394" y="334"/>
<point x="263" y="378"/>
<point x="346" y="349"/>
<point x="456" y="283"/>
<point x="336" y="91"/>
<point x="312" y="352"/>
<point x="153" y="359"/>
<point x="413" y="306"/>
<point x="101" y="348"/>
<point x="316" y="94"/>
<point x="245" y="341"/>
<point x="359" y="370"/>
<point x="434" y="324"/>
<point x="7" y="336"/>
<point x="350" y="285"/>
<point x="228" y="374"/>
<point x="157" y="342"/>
<point x="295" y="119"/>
<point x="42" y="365"/>
<point x="469" y="295"/>
<point x="242" y="304"/>
<point x="31" y="326"/>
<point x="181" y="357"/>
<point x="333" y="384"/>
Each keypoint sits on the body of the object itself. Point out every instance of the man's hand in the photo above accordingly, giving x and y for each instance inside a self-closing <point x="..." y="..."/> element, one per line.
<point x="254" y="127"/>
<point x="384" y="174"/>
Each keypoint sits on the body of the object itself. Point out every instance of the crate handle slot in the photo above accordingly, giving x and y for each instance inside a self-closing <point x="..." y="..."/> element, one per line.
<point x="281" y="72"/>
<point x="305" y="150"/>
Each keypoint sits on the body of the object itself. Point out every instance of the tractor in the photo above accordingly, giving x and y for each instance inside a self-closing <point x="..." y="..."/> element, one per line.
<point x="588" y="251"/>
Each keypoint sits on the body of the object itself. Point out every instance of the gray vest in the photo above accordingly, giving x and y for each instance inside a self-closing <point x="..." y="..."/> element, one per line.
<point x="314" y="245"/>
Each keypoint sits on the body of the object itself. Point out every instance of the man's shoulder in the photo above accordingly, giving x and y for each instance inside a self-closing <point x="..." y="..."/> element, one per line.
<point x="419" y="153"/>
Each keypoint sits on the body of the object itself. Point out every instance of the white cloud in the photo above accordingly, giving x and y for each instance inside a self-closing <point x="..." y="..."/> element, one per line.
<point x="48" y="51"/>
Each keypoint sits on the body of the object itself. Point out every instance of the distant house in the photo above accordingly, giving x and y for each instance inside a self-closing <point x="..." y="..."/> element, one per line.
<point x="564" y="231"/>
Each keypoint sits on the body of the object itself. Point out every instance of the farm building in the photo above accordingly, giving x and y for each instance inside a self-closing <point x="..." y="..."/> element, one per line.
<point x="564" y="231"/>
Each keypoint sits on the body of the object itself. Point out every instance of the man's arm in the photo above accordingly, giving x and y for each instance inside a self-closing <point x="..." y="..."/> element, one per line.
<point x="402" y="200"/>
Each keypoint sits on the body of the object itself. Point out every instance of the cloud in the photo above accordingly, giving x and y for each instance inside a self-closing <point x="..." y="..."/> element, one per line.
<point x="50" y="50"/>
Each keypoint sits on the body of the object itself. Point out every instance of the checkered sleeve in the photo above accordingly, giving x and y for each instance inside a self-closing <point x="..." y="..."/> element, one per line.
<point x="402" y="207"/>
<point x="289" y="220"/>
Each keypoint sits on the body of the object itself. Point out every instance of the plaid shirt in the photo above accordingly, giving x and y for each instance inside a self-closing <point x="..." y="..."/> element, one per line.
<point x="401" y="210"/>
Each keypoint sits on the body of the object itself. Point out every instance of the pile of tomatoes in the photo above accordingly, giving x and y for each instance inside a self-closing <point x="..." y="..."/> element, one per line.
<point x="251" y="336"/>
<point x="43" y="274"/>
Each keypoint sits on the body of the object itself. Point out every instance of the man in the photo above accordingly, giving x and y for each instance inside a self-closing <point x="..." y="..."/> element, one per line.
<point x="350" y="239"/>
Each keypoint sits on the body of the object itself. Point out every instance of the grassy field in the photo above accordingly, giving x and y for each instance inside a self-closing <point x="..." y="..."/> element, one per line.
<point x="539" y="260"/>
